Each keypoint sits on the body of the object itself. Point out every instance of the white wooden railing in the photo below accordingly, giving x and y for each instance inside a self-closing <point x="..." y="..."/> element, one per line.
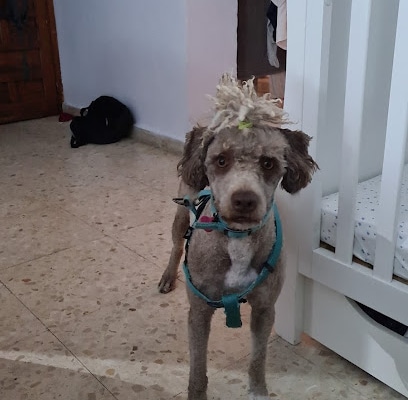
<point x="394" y="155"/>
<point x="352" y="128"/>
<point x="357" y="88"/>
<point x="345" y="79"/>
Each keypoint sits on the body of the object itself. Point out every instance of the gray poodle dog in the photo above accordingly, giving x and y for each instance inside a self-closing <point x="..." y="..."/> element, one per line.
<point x="234" y="245"/>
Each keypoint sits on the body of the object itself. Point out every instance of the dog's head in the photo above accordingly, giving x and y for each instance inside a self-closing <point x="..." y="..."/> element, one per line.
<point x="243" y="154"/>
<point x="243" y="167"/>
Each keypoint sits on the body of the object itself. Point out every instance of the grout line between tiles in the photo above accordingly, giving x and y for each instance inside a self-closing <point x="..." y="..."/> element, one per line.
<point x="60" y="341"/>
<point x="4" y="268"/>
<point x="178" y="394"/>
<point x="106" y="235"/>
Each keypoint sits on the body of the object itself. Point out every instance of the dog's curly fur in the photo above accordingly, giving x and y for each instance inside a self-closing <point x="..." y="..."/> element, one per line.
<point x="243" y="168"/>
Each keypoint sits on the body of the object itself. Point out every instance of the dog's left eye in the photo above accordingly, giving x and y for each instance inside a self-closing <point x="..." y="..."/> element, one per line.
<point x="266" y="162"/>
<point x="221" y="161"/>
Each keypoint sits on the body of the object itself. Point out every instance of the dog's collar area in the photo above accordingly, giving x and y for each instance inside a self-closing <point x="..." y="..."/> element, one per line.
<point x="217" y="223"/>
<point x="231" y="302"/>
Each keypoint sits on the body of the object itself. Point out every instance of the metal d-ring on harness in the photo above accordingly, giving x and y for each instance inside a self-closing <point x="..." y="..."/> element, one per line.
<point x="230" y="302"/>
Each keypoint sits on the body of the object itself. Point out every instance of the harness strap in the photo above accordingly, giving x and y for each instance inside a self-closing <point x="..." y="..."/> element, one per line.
<point x="231" y="306"/>
<point x="230" y="302"/>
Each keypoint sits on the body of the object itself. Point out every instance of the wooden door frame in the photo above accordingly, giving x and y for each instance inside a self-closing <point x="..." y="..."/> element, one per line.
<point x="54" y="50"/>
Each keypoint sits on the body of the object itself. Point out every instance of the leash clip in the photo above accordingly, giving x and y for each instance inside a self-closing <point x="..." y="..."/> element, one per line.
<point x="179" y="201"/>
<point x="188" y="233"/>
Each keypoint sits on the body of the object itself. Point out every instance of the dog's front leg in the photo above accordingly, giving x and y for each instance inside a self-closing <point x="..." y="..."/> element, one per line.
<point x="262" y="319"/>
<point x="199" y="324"/>
<point x="180" y="225"/>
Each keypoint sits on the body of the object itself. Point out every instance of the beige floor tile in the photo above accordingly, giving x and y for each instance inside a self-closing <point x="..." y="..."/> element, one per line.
<point x="17" y="202"/>
<point x="144" y="343"/>
<point x="115" y="210"/>
<point x="140" y="340"/>
<point x="44" y="136"/>
<point x="27" y="236"/>
<point x="34" y="364"/>
<point x="20" y="380"/>
<point x="152" y="241"/>
<point x="163" y="177"/>
<point x="27" y="184"/>
<point x="137" y="339"/>
<point x="77" y="281"/>
<point x="119" y="165"/>
<point x="165" y="388"/>
<point x="114" y="167"/>
<point x="16" y="321"/>
<point x="289" y="377"/>
<point x="337" y="366"/>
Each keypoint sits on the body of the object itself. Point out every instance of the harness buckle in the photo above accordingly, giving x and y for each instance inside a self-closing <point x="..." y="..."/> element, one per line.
<point x="269" y="267"/>
<point x="179" y="201"/>
<point x="188" y="233"/>
<point x="234" y="233"/>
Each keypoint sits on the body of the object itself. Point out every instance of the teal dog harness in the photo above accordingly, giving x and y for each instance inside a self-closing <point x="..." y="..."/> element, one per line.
<point x="230" y="302"/>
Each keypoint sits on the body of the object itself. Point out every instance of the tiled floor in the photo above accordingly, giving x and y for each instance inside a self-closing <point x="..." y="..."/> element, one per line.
<point x="84" y="236"/>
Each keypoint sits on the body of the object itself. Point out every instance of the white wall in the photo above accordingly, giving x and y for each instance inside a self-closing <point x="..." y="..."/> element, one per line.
<point x="211" y="49"/>
<point x="159" y="57"/>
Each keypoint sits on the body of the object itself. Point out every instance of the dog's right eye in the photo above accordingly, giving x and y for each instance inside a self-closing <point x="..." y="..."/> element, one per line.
<point x="221" y="161"/>
<point x="267" y="163"/>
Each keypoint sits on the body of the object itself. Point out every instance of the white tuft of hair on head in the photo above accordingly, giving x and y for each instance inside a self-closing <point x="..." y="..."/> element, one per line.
<point x="237" y="102"/>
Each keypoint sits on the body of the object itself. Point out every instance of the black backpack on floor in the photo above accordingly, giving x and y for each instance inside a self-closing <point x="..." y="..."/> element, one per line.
<point x="105" y="120"/>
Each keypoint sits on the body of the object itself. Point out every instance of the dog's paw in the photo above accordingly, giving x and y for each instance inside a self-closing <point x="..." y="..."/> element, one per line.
<point x="166" y="284"/>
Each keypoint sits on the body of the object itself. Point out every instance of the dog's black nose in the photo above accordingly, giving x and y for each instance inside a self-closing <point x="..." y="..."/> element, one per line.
<point x="244" y="201"/>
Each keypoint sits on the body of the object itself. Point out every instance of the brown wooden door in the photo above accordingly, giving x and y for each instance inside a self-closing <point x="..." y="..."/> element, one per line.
<point x="30" y="83"/>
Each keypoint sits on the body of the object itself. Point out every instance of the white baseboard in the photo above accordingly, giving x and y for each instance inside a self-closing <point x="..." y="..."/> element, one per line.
<point x="70" y="109"/>
<point x="155" y="140"/>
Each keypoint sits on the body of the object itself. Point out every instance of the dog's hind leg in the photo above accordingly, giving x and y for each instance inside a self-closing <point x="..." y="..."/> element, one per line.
<point x="199" y="324"/>
<point x="262" y="320"/>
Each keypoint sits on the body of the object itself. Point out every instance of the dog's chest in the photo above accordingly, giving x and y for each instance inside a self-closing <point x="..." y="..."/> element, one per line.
<point x="240" y="273"/>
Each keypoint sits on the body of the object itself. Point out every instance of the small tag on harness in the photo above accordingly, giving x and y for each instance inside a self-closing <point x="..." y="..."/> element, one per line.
<point x="206" y="219"/>
<point x="231" y="309"/>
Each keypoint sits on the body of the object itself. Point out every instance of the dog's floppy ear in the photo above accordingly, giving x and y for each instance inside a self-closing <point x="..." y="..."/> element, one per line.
<point x="191" y="166"/>
<point x="300" y="165"/>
